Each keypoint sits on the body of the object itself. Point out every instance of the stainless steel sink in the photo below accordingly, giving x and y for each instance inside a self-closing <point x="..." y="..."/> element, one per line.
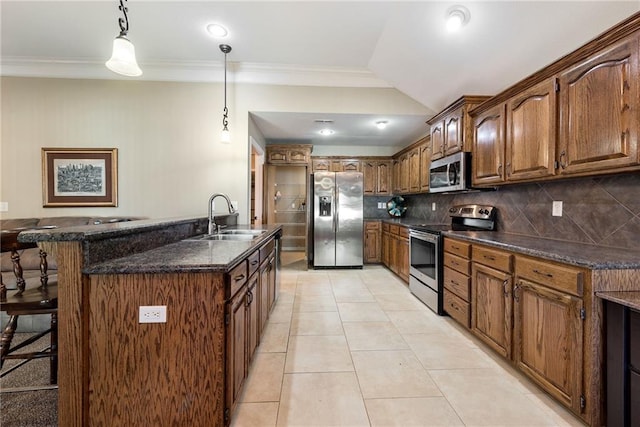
<point x="243" y="237"/>
<point x="243" y="232"/>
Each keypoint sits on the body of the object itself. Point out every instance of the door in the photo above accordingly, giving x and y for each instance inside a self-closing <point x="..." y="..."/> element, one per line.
<point x="236" y="345"/>
<point x="548" y="340"/>
<point x="324" y="226"/>
<point x="488" y="146"/>
<point x="252" y="304"/>
<point x="491" y="307"/>
<point x="453" y="134"/>
<point x="349" y="221"/>
<point x="599" y="118"/>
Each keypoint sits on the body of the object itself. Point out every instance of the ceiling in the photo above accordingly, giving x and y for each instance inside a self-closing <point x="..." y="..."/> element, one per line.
<point x="318" y="43"/>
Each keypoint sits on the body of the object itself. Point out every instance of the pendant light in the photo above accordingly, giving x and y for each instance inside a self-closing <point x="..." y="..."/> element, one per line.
<point x="225" y="136"/>
<point x="123" y="58"/>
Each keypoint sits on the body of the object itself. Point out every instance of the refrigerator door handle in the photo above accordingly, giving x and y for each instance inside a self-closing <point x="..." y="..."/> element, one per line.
<point x="336" y="211"/>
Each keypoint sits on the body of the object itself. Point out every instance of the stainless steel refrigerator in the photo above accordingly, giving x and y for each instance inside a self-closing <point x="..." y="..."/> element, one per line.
<point x="337" y="219"/>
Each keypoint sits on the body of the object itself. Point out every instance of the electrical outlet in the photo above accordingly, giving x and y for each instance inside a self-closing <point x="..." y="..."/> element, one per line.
<point x="4" y="206"/>
<point x="433" y="206"/>
<point x="152" y="314"/>
<point x="234" y="204"/>
<point x="556" y="209"/>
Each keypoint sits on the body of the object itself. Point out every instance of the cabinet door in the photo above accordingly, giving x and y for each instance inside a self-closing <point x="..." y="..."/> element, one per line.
<point x="369" y="177"/>
<point x="271" y="272"/>
<point x="264" y="294"/>
<point x="386" y="250"/>
<point x="397" y="172"/>
<point x="372" y="242"/>
<point x="252" y="304"/>
<point x="491" y="307"/>
<point x="599" y="111"/>
<point x="488" y="146"/>
<point x="350" y="165"/>
<point x="453" y="134"/>
<point x="384" y="177"/>
<point x="414" y="170"/>
<point x="548" y="340"/>
<point x="236" y="346"/>
<point x="404" y="173"/>
<point x="277" y="156"/>
<point x="437" y="140"/>
<point x="298" y="156"/>
<point x="336" y="165"/>
<point x="425" y="162"/>
<point x="531" y="133"/>
<point x="319" y="165"/>
<point x="403" y="258"/>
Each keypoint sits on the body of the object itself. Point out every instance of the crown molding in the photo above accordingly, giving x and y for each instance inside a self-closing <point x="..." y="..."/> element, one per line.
<point x="196" y="71"/>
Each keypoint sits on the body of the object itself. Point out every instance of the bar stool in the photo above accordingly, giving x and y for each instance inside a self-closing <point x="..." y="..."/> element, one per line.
<point x="31" y="297"/>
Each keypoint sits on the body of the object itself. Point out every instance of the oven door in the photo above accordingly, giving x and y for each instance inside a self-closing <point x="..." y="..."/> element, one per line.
<point x="424" y="268"/>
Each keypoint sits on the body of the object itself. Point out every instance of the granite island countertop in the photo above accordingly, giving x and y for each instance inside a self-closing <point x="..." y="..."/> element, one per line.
<point x="187" y="256"/>
<point x="578" y="254"/>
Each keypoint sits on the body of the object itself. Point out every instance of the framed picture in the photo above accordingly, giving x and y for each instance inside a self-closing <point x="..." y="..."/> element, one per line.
<point x="79" y="177"/>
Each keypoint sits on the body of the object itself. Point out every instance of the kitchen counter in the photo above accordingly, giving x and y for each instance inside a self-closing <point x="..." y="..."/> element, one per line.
<point x="629" y="299"/>
<point x="578" y="254"/>
<point x="186" y="256"/>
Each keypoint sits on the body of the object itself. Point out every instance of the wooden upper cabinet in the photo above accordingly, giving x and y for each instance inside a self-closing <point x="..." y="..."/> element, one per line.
<point x="425" y="162"/>
<point x="414" y="170"/>
<point x="437" y="140"/>
<point x="369" y="177"/>
<point x="397" y="172"/>
<point x="352" y="165"/>
<point x="599" y="110"/>
<point x="333" y="164"/>
<point x="453" y="141"/>
<point x="404" y="173"/>
<point x="531" y="133"/>
<point x="376" y="176"/>
<point x="319" y="165"/>
<point x="299" y="154"/>
<point x="384" y="177"/>
<point x="488" y="146"/>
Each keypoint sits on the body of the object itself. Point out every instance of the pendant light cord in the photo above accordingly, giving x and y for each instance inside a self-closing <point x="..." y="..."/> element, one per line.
<point x="225" y="48"/>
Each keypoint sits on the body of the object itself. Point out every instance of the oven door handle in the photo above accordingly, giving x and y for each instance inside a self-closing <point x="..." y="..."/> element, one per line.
<point x="431" y="238"/>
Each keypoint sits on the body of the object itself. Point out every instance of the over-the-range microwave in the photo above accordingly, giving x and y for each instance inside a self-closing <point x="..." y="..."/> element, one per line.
<point x="451" y="173"/>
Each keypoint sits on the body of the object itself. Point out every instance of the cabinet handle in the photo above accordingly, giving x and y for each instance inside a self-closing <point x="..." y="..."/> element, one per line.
<point x="508" y="169"/>
<point x="542" y="273"/>
<point x="254" y="263"/>
<point x="515" y="293"/>
<point x="239" y="277"/>
<point x="500" y="169"/>
<point x="504" y="288"/>
<point x="453" y="282"/>
<point x="455" y="247"/>
<point x="489" y="257"/>
<point x="454" y="262"/>
<point x="563" y="165"/>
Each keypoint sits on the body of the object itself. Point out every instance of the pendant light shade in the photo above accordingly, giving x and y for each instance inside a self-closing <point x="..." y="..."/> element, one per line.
<point x="123" y="59"/>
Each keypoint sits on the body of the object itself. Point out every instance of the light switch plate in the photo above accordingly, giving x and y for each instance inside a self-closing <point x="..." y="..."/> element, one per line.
<point x="556" y="209"/>
<point x="433" y="206"/>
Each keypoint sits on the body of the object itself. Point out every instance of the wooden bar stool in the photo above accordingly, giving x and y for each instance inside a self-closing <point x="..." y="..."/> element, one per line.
<point x="31" y="297"/>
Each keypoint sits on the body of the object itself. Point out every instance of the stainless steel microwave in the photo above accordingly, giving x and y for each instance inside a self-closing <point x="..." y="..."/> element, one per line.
<point x="451" y="173"/>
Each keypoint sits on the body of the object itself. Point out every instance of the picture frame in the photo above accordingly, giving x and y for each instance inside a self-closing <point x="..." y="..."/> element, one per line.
<point x="75" y="177"/>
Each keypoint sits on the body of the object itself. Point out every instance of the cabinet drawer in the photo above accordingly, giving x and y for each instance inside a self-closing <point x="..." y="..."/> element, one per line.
<point x="634" y="340"/>
<point x="457" y="247"/>
<point x="253" y="262"/>
<point x="393" y="229"/>
<point x="237" y="277"/>
<point x="403" y="232"/>
<point x="372" y="225"/>
<point x="493" y="258"/>
<point x="560" y="277"/>
<point x="386" y="227"/>
<point x="266" y="250"/>
<point x="456" y="263"/>
<point x="457" y="308"/>
<point x="457" y="283"/>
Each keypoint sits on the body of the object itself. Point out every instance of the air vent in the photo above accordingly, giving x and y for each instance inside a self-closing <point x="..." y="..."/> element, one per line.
<point x="323" y="121"/>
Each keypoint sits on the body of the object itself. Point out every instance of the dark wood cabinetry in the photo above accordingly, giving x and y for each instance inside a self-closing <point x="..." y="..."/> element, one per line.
<point x="457" y="282"/>
<point x="414" y="170"/>
<point x="376" y="176"/>
<point x="395" y="249"/>
<point x="289" y="154"/>
<point x="488" y="147"/>
<point x="411" y="168"/>
<point x="372" y="242"/>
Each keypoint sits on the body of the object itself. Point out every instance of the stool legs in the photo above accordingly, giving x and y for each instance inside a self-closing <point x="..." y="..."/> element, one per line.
<point x="7" y="336"/>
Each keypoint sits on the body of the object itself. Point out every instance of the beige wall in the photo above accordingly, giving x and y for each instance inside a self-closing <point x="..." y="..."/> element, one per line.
<point x="167" y="134"/>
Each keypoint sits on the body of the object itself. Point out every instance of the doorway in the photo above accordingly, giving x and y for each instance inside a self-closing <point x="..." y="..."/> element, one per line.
<point x="256" y="179"/>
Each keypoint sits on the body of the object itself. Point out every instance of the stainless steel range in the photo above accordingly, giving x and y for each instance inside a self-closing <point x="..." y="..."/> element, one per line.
<point x="425" y="250"/>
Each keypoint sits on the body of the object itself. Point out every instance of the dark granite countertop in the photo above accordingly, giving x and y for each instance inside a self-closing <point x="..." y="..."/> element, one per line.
<point x="103" y="231"/>
<point x="579" y="254"/>
<point x="186" y="256"/>
<point x="629" y="299"/>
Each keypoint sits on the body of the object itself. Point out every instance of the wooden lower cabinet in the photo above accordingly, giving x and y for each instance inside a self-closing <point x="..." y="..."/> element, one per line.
<point x="491" y="307"/>
<point x="548" y="333"/>
<point x="372" y="242"/>
<point x="236" y="347"/>
<point x="395" y="249"/>
<point x="456" y="281"/>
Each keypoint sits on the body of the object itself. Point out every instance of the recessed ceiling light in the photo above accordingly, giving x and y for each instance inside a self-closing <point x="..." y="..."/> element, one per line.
<point x="456" y="17"/>
<point x="381" y="124"/>
<point x="217" y="31"/>
<point x="326" y="132"/>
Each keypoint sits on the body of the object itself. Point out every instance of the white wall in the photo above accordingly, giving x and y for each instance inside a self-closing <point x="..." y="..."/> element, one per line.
<point x="167" y="134"/>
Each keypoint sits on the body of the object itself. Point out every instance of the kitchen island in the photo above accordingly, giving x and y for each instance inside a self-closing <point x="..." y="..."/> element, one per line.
<point x="185" y="370"/>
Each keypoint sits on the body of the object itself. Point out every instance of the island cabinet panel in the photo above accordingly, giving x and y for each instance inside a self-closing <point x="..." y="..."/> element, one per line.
<point x="488" y="147"/>
<point x="236" y="356"/>
<point x="155" y="373"/>
<point x="600" y="109"/>
<point x="531" y="133"/>
<point x="253" y="303"/>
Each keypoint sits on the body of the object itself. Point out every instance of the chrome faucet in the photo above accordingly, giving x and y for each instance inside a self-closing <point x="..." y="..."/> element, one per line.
<point x="212" y="223"/>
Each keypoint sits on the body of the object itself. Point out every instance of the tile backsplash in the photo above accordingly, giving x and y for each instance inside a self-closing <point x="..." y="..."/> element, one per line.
<point x="603" y="211"/>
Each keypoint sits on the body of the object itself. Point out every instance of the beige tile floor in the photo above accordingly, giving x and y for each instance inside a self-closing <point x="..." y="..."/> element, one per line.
<point x="355" y="348"/>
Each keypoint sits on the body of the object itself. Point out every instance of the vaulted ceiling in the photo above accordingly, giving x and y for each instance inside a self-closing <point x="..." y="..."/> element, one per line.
<point x="324" y="43"/>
